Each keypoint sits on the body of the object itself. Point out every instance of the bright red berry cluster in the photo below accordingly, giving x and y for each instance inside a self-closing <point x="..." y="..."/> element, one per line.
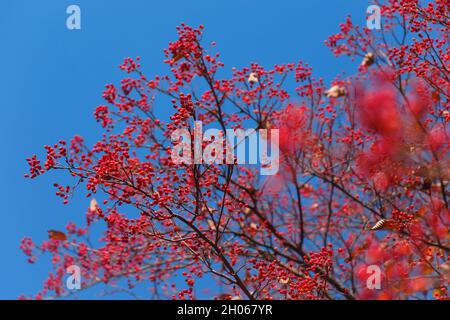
<point x="363" y="179"/>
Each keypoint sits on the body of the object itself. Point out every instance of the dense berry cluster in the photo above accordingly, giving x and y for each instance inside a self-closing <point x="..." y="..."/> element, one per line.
<point x="367" y="150"/>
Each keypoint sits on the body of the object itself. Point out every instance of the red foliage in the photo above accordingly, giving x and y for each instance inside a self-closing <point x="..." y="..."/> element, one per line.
<point x="375" y="147"/>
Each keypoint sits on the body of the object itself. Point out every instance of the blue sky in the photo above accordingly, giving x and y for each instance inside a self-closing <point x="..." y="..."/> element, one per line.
<point x="51" y="79"/>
